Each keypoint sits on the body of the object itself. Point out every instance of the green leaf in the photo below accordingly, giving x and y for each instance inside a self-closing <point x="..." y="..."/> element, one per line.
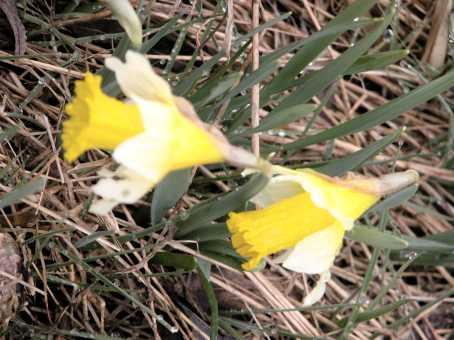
<point x="313" y="48"/>
<point x="261" y="28"/>
<point x="92" y="238"/>
<point x="395" y="200"/>
<point x="382" y="114"/>
<point x="221" y="247"/>
<point x="186" y="84"/>
<point x="181" y="261"/>
<point x="376" y="238"/>
<point x="351" y="162"/>
<point x="376" y="61"/>
<point x="212" y="209"/>
<point x="22" y="191"/>
<point x="426" y="244"/>
<point x="218" y="89"/>
<point x="276" y="119"/>
<point x="232" y="261"/>
<point x="376" y="313"/>
<point x="214" y="231"/>
<point x="315" y="82"/>
<point x="168" y="192"/>
<point x="212" y="301"/>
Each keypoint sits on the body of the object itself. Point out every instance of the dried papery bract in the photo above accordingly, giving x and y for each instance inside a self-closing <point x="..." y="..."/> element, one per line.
<point x="10" y="261"/>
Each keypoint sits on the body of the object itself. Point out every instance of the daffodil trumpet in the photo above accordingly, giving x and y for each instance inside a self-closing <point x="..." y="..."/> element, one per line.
<point x="305" y="214"/>
<point x="151" y="134"/>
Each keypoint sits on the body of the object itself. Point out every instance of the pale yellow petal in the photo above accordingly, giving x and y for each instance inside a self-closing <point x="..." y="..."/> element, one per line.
<point x="315" y="253"/>
<point x="318" y="291"/>
<point x="146" y="154"/>
<point x="137" y="79"/>
<point x="128" y="19"/>
<point x="277" y="189"/>
<point x="123" y="186"/>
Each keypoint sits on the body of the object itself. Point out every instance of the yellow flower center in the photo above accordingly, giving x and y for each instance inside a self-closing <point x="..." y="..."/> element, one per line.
<point x="256" y="234"/>
<point x="97" y="120"/>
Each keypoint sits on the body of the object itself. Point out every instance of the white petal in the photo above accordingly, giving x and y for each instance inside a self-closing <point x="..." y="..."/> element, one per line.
<point x="126" y="186"/>
<point x="102" y="206"/>
<point x="138" y="80"/>
<point x="315" y="254"/>
<point x="145" y="154"/>
<point x="128" y="19"/>
<point x="319" y="290"/>
<point x="156" y="117"/>
<point x="277" y="189"/>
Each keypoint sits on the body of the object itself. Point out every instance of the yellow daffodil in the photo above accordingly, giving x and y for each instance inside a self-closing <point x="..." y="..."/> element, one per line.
<point x="306" y="214"/>
<point x="128" y="19"/>
<point x="151" y="134"/>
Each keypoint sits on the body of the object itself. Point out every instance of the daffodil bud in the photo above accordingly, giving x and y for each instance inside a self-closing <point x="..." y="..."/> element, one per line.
<point x="128" y="19"/>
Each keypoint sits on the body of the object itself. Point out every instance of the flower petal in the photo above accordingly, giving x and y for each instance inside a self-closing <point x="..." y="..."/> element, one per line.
<point x="97" y="120"/>
<point x="318" y="291"/>
<point x="315" y="253"/>
<point x="128" y="19"/>
<point x="122" y="186"/>
<point x="145" y="154"/>
<point x="277" y="189"/>
<point x="345" y="201"/>
<point x="138" y="80"/>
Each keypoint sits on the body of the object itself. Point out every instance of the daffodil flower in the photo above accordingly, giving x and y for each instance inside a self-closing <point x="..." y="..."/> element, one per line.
<point x="307" y="214"/>
<point x="151" y="134"/>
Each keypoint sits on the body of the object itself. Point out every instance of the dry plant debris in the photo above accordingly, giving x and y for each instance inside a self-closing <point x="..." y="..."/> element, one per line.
<point x="109" y="286"/>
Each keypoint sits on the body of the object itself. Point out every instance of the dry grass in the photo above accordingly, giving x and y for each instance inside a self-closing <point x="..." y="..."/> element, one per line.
<point x="33" y="91"/>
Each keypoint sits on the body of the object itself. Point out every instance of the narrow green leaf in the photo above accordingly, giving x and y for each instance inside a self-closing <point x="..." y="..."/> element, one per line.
<point x="187" y="83"/>
<point x="168" y="192"/>
<point x="212" y="301"/>
<point x="388" y="111"/>
<point x="92" y="238"/>
<point x="221" y="247"/>
<point x="376" y="313"/>
<point x="312" y="49"/>
<point x="232" y="261"/>
<point x="276" y="119"/>
<point x="212" y="209"/>
<point x="425" y="244"/>
<point x="315" y="82"/>
<point x="253" y="78"/>
<point x="210" y="232"/>
<point x="261" y="28"/>
<point x="376" y="238"/>
<point x="22" y="191"/>
<point x="351" y="162"/>
<point x="395" y="200"/>
<point x="180" y="261"/>
<point x="217" y="90"/>
<point x="376" y="61"/>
